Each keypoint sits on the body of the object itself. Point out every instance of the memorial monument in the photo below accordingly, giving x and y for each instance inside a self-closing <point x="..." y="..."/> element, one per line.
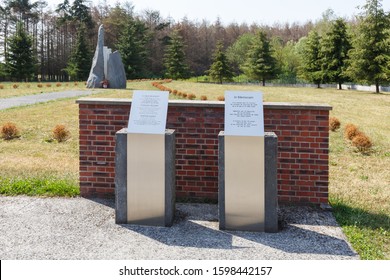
<point x="247" y="166"/>
<point x="107" y="69"/>
<point x="145" y="163"/>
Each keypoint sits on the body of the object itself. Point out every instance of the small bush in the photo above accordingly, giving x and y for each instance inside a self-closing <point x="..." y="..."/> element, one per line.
<point x="362" y="142"/>
<point x="48" y="85"/>
<point x="9" y="131"/>
<point x="76" y="84"/>
<point x="39" y="85"/>
<point x="191" y="96"/>
<point x="334" y="123"/>
<point x="1" y="86"/>
<point x="221" y="98"/>
<point x="61" y="133"/>
<point x="350" y="131"/>
<point x="28" y="85"/>
<point x="174" y="92"/>
<point x="203" y="97"/>
<point x="15" y="86"/>
<point x="58" y="84"/>
<point x="184" y="95"/>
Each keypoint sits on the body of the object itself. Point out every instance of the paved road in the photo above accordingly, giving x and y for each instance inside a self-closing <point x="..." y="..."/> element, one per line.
<point x="11" y="102"/>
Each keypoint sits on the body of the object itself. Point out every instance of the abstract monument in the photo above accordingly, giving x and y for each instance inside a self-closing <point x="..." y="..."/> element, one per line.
<point x="107" y="68"/>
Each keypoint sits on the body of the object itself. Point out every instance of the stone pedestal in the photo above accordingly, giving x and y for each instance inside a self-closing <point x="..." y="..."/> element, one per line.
<point x="145" y="178"/>
<point x="245" y="206"/>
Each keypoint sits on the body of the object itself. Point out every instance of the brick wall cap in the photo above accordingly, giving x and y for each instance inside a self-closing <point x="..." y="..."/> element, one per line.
<point x="198" y="103"/>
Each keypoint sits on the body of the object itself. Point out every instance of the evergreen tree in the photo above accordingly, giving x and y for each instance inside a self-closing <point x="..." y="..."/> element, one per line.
<point x="80" y="12"/>
<point x="174" y="58"/>
<point x="370" y="54"/>
<point x="131" y="46"/>
<point x="335" y="47"/>
<point x="20" y="58"/>
<point x="261" y="64"/>
<point x="220" y="68"/>
<point x="80" y="60"/>
<point x="311" y="59"/>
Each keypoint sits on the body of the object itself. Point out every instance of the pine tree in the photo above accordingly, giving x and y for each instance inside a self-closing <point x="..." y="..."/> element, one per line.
<point x="311" y="59"/>
<point x="20" y="58"/>
<point x="131" y="46"/>
<point x="369" y="57"/>
<point x="80" y="61"/>
<point x="220" y="68"/>
<point x="334" y="52"/>
<point x="261" y="64"/>
<point x="174" y="58"/>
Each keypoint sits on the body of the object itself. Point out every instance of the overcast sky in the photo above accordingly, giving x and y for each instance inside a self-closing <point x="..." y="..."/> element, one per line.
<point x="249" y="11"/>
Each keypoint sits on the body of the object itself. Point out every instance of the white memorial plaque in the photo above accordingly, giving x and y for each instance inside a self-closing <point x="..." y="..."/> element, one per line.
<point x="148" y="112"/>
<point x="244" y="113"/>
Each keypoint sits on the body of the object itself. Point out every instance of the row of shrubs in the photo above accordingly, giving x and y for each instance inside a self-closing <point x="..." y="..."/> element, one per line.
<point x="40" y="85"/>
<point x="175" y="92"/>
<point x="351" y="133"/>
<point x="10" y="131"/>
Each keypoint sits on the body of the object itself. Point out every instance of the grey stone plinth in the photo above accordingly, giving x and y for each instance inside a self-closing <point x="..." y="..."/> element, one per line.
<point x="270" y="174"/>
<point x="116" y="71"/>
<point x="96" y="74"/>
<point x="121" y="206"/>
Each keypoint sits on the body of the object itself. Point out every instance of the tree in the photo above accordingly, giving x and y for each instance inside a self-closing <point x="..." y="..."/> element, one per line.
<point x="369" y="57"/>
<point x="174" y="58"/>
<point x="236" y="53"/>
<point x="261" y="64"/>
<point x="220" y="69"/>
<point x="80" y="60"/>
<point x="311" y="59"/>
<point x="334" y="52"/>
<point x="20" y="58"/>
<point x="80" y="13"/>
<point x="131" y="46"/>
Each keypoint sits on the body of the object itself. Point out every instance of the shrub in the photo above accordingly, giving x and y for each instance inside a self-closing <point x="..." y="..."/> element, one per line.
<point x="350" y="131"/>
<point x="15" y="86"/>
<point x="184" y="95"/>
<point x="28" y="85"/>
<point x="60" y="133"/>
<point x="48" y="85"/>
<point x="58" y="84"/>
<point x="191" y="96"/>
<point x="76" y="84"/>
<point x="334" y="123"/>
<point x="362" y="142"/>
<point x="174" y="92"/>
<point x="1" y="86"/>
<point x="9" y="131"/>
<point x="221" y="98"/>
<point x="39" y="85"/>
<point x="203" y="97"/>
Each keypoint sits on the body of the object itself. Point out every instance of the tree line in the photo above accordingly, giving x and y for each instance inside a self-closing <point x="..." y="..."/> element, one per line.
<point x="38" y="43"/>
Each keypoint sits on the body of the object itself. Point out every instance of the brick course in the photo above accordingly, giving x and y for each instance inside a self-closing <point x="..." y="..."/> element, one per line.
<point x="303" y="147"/>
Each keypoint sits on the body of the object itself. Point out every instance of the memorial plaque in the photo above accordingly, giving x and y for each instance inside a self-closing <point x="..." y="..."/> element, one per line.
<point x="148" y="112"/>
<point x="244" y="113"/>
<point x="244" y="197"/>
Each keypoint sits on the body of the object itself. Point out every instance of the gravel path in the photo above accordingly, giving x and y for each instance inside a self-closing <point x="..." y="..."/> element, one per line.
<point x="11" y="102"/>
<point x="78" y="228"/>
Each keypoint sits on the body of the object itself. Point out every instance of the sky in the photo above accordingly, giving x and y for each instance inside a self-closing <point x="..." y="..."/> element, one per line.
<point x="248" y="11"/>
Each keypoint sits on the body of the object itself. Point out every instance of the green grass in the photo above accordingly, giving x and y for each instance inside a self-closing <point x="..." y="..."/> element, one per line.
<point x="359" y="185"/>
<point x="45" y="186"/>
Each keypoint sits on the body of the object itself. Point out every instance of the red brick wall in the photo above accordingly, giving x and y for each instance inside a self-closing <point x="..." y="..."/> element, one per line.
<point x="303" y="146"/>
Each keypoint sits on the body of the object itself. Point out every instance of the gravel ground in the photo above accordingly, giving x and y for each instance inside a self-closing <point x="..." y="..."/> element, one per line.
<point x="11" y="102"/>
<point x="78" y="228"/>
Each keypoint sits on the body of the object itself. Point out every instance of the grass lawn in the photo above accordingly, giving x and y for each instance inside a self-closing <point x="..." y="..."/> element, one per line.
<point x="359" y="184"/>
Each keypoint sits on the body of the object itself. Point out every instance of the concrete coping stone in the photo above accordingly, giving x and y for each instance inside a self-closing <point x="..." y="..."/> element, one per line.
<point x="205" y="104"/>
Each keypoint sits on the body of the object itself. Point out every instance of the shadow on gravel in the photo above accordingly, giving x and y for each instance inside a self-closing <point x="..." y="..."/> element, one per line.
<point x="196" y="226"/>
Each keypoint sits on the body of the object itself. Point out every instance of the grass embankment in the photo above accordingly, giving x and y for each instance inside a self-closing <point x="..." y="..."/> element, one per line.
<point x="359" y="184"/>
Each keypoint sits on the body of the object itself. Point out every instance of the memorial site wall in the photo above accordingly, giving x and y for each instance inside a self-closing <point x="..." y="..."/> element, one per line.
<point x="303" y="147"/>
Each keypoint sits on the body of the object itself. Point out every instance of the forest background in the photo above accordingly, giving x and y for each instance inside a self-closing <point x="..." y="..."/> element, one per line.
<point x="38" y="43"/>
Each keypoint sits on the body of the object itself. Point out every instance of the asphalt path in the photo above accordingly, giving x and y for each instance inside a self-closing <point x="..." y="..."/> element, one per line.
<point x="6" y="103"/>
